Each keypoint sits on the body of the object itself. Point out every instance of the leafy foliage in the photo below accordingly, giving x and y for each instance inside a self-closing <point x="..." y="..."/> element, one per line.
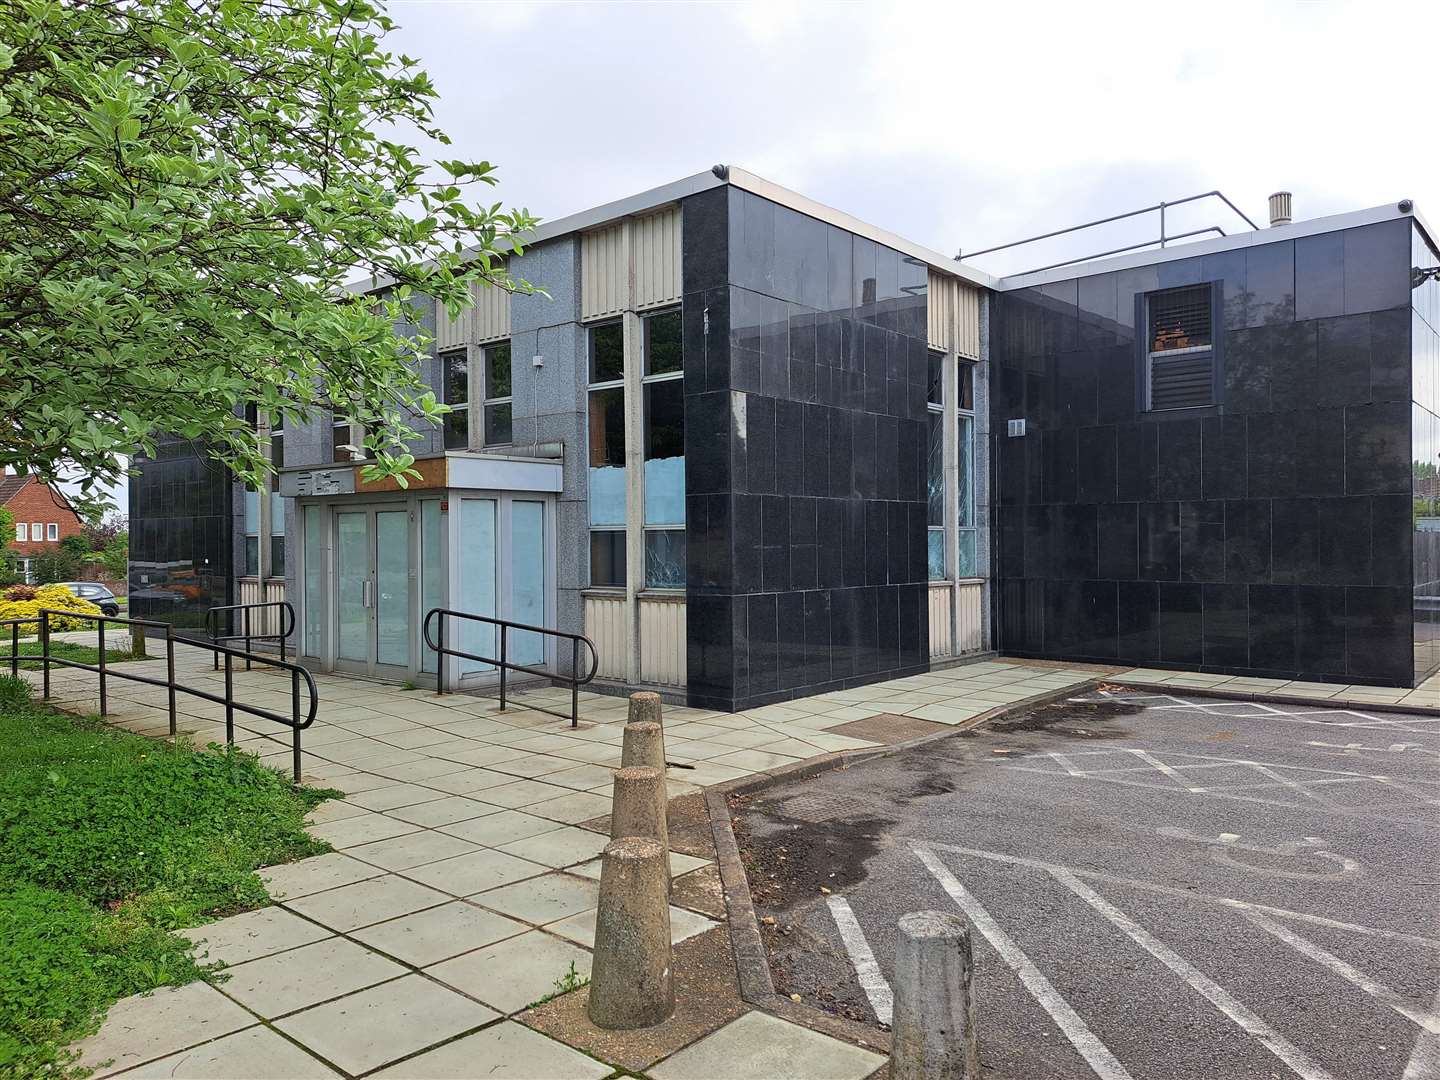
<point x="111" y="840"/>
<point x="187" y="187"/>
<point x="27" y="601"/>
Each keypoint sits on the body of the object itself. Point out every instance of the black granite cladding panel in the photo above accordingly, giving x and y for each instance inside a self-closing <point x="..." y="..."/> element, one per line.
<point x="1269" y="534"/>
<point x="180" y="535"/>
<point x="805" y="382"/>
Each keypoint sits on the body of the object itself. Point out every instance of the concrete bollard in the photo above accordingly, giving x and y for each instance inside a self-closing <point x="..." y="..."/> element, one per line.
<point x="631" y="985"/>
<point x="644" y="708"/>
<point x="644" y="745"/>
<point x="932" y="1034"/>
<point x="637" y="807"/>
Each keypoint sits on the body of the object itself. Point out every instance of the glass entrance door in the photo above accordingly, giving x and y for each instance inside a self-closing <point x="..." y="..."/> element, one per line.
<point x="373" y="574"/>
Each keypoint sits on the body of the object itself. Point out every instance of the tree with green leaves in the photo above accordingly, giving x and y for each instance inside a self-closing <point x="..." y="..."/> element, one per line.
<point x="186" y="188"/>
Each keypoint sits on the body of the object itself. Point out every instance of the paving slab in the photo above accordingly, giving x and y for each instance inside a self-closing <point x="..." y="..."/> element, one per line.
<point x="316" y="874"/>
<point x="465" y="875"/>
<point x="565" y="846"/>
<point x="148" y="1026"/>
<point x="436" y="934"/>
<point x="513" y="973"/>
<point x="541" y="900"/>
<point x="255" y="1054"/>
<point x="385" y="1023"/>
<point x="252" y="934"/>
<point x="496" y="830"/>
<point x="412" y="849"/>
<point x="353" y="906"/>
<point x="505" y="1051"/>
<point x="758" y="1046"/>
<point x="275" y="985"/>
<point x="446" y="811"/>
<point x="354" y="831"/>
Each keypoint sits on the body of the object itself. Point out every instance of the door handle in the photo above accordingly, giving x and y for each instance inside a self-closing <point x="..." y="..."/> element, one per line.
<point x="366" y="600"/>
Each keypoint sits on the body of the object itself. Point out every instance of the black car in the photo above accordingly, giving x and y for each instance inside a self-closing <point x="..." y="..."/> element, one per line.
<point x="96" y="593"/>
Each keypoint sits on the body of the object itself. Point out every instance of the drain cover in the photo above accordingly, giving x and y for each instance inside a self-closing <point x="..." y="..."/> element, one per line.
<point x="816" y="807"/>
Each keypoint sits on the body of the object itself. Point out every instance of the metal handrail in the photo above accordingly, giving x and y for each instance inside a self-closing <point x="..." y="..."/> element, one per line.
<point x="297" y="673"/>
<point x="1164" y="238"/>
<point x="502" y="662"/>
<point x="212" y="625"/>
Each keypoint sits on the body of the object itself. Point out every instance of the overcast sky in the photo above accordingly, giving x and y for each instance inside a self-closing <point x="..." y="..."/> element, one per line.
<point x="955" y="125"/>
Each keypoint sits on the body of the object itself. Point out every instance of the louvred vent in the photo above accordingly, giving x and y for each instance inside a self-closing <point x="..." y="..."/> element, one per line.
<point x="1180" y="319"/>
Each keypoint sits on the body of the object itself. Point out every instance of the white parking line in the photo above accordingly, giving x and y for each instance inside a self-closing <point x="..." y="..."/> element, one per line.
<point x="867" y="969"/>
<point x="1379" y="991"/>
<point x="1207" y="988"/>
<point x="1156" y="763"/>
<point x="1424" y="1063"/>
<point x="1187" y="894"/>
<point x="1096" y="1053"/>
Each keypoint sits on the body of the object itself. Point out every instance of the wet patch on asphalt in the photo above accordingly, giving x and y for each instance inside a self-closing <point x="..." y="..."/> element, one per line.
<point x="1072" y="719"/>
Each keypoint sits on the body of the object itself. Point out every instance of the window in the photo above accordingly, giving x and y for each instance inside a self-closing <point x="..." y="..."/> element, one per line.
<point x="664" y="427"/>
<point x="277" y="440"/>
<point x="935" y="469"/>
<point x="22" y="531"/>
<point x="37" y="530"/>
<point x="339" y="438"/>
<point x="52" y="531"/>
<point x="252" y="534"/>
<point x="498" y="429"/>
<point x="606" y="453"/>
<point x="277" y="535"/>
<point x="1181" y="368"/>
<point x="455" y="391"/>
<point x="966" y="565"/>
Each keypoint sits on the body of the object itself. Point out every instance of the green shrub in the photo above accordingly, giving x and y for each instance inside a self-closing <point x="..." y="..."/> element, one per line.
<point x="110" y="840"/>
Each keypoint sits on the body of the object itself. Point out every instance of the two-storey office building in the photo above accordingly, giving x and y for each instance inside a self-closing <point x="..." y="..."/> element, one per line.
<point x="748" y="445"/>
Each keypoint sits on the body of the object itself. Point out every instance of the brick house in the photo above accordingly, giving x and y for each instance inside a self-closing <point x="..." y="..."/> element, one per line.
<point x="43" y="517"/>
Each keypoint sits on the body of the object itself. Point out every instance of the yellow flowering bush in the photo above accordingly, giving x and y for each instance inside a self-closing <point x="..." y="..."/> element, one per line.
<point x="52" y="597"/>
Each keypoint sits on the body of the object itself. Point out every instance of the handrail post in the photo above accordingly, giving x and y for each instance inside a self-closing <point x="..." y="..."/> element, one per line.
<point x="574" y="682"/>
<point x="229" y="701"/>
<point x="246" y="612"/>
<point x="503" y="628"/>
<point x="101" y="664"/>
<point x="440" y="657"/>
<point x="214" y="632"/>
<point x="14" y="650"/>
<point x="170" y="672"/>
<point x="45" y="652"/>
<point x="295" y="713"/>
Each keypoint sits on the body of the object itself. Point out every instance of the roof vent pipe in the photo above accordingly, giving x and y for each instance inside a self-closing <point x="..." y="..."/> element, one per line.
<point x="1280" y="208"/>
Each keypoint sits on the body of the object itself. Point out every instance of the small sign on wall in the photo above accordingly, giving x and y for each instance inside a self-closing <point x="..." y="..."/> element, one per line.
<point x="318" y="482"/>
<point x="1015" y="428"/>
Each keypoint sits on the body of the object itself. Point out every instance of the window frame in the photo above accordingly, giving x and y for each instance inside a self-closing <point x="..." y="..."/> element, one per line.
<point x="37" y="531"/>
<point x="52" y="532"/>
<point x="935" y="411"/>
<point x="1144" y="306"/>
<point x="647" y="380"/>
<point x="252" y="534"/>
<point x="591" y="388"/>
<point x="966" y="493"/>
<point x="446" y="358"/>
<point x="22" y="532"/>
<point x="487" y="402"/>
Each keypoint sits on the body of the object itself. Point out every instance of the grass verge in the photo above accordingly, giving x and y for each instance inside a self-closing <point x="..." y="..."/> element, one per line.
<point x="111" y="841"/>
<point x="67" y="650"/>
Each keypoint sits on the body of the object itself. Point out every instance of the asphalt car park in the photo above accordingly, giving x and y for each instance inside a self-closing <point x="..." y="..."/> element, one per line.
<point x="1158" y="886"/>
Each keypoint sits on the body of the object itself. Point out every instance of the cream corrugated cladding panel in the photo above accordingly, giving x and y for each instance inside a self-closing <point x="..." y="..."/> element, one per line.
<point x="604" y="272"/>
<point x="656" y="242"/>
<point x="953" y="315"/>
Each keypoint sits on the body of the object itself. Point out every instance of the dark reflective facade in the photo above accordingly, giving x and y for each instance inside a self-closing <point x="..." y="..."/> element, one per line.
<point x="805" y="421"/>
<point x="1425" y="452"/>
<point x="180" y="536"/>
<point x="1268" y="534"/>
